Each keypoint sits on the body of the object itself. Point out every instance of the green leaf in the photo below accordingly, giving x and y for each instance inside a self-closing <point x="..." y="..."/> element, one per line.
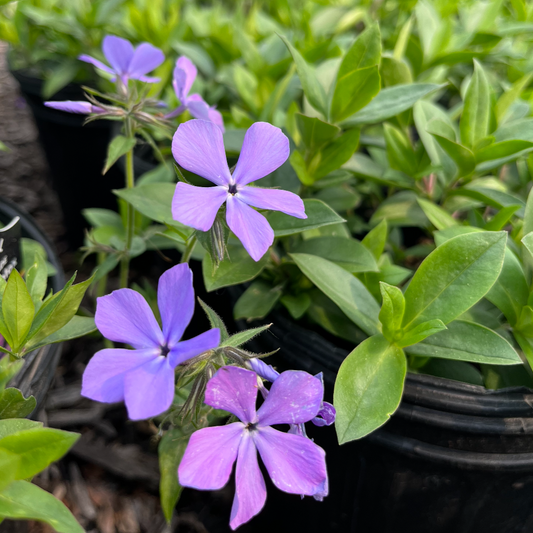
<point x="354" y="92"/>
<point x="98" y="217"/>
<point x="154" y="200"/>
<point x="257" y="301"/>
<point x="9" y="465"/>
<point x="462" y="157"/>
<point x="343" y="288"/>
<point x="78" y="326"/>
<point x="401" y="209"/>
<point x="392" y="310"/>
<point x="420" y="332"/>
<point x="318" y="214"/>
<point x="57" y="312"/>
<point x="376" y="239"/>
<point x="24" y="501"/>
<point x="440" y="218"/>
<point x="238" y="268"/>
<point x="18" y="310"/>
<point x="502" y="150"/>
<point x="312" y="88"/>
<point x="350" y="254"/>
<point x="456" y="370"/>
<point x="118" y="147"/>
<point x="334" y="155"/>
<point x="390" y="102"/>
<point x="454" y="277"/>
<point x="467" y="341"/>
<point x="14" y="405"/>
<point x="244" y="336"/>
<point x="400" y="153"/>
<point x="170" y="450"/>
<point x="215" y="321"/>
<point x="299" y="166"/>
<point x="297" y="305"/>
<point x="475" y="119"/>
<point x="501" y="219"/>
<point x="37" y="279"/>
<point x="60" y="77"/>
<point x="508" y="97"/>
<point x="14" y="425"/>
<point x="368" y="388"/>
<point x="38" y="448"/>
<point x="315" y="132"/>
<point x="527" y="241"/>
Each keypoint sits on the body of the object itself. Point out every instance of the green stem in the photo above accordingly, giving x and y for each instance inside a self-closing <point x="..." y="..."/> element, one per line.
<point x="188" y="250"/>
<point x="130" y="223"/>
<point x="102" y="283"/>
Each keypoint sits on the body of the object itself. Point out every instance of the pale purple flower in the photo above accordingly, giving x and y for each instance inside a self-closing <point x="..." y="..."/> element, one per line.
<point x="184" y="75"/>
<point x="144" y="377"/>
<point x="81" y="108"/>
<point x="327" y="413"/>
<point x="198" y="146"/>
<point x="127" y="62"/>
<point x="295" y="464"/>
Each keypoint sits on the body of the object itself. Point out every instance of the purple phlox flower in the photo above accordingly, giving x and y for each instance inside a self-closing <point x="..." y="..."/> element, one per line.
<point x="184" y="75"/>
<point x="127" y="62"/>
<point x="198" y="146"/>
<point x="327" y="413"/>
<point x="295" y="464"/>
<point x="81" y="108"/>
<point x="144" y="377"/>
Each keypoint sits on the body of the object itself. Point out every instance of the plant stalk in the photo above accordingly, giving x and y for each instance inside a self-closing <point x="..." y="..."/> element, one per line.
<point x="188" y="250"/>
<point x="130" y="223"/>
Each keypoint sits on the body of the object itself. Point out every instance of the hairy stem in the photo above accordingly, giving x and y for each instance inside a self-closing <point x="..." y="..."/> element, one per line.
<point x="188" y="250"/>
<point x="130" y="223"/>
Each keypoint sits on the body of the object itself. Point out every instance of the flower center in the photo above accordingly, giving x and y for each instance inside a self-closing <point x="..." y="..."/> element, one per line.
<point x="232" y="189"/>
<point x="251" y="426"/>
<point x="165" y="350"/>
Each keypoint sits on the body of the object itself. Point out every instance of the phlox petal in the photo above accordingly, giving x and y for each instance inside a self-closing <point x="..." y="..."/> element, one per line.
<point x="208" y="460"/>
<point x="119" y="53"/>
<point x="295" y="464"/>
<point x="96" y="63"/>
<point x="197" y="207"/>
<point x="146" y="58"/>
<point x="198" y="146"/>
<point x="251" y="228"/>
<point x="295" y="397"/>
<point x="193" y="347"/>
<point x="235" y="390"/>
<point x="265" y="149"/>
<point x="197" y="107"/>
<point x="175" y="299"/>
<point x="184" y="75"/>
<point x="124" y="316"/>
<point x="216" y="118"/>
<point x="250" y="489"/>
<point x="149" y="388"/>
<point x="275" y="199"/>
<point x="103" y="379"/>
<point x="81" y="108"/>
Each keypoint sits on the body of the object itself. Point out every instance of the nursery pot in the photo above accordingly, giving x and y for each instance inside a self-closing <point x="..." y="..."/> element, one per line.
<point x="39" y="366"/>
<point x="76" y="153"/>
<point x="453" y="458"/>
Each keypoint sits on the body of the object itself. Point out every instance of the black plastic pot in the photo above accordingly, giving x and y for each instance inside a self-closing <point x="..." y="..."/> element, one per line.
<point x="76" y="155"/>
<point x="39" y="366"/>
<point x="453" y="458"/>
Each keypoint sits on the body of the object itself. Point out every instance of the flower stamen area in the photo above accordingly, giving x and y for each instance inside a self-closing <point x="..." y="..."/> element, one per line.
<point x="232" y="189"/>
<point x="165" y="350"/>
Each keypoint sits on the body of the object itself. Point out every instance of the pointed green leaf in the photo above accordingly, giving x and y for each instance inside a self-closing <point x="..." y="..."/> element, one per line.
<point x="9" y="465"/>
<point x="376" y="239"/>
<point x="256" y="301"/>
<point x="244" y="336"/>
<point x="14" y="425"/>
<point x="315" y="132"/>
<point x="14" y="405"/>
<point x="343" y="288"/>
<point x="420" y="332"/>
<point x="368" y="388"/>
<point x="215" y="320"/>
<point x="118" y="147"/>
<point x="436" y="214"/>
<point x="392" y="310"/>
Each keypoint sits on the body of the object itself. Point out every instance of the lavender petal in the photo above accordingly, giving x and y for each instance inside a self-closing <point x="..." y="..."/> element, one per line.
<point x="263" y="370"/>
<point x="295" y="464"/>
<point x="326" y="415"/>
<point x="149" y="389"/>
<point x="265" y="148"/>
<point x="124" y="316"/>
<point x="81" y="108"/>
<point x="178" y="111"/>
<point x="191" y="348"/>
<point x="294" y="398"/>
<point x="96" y="63"/>
<point x="146" y="58"/>
<point x="118" y="52"/>
<point x="184" y="75"/>
<point x="250" y="489"/>
<point x="175" y="299"/>
<point x="251" y="228"/>
<point x="198" y="146"/>
<point x="197" y="207"/>
<point x="275" y="199"/>
<point x="216" y="118"/>
<point x="149" y="79"/>
<point x="103" y="378"/>
<point x="235" y="390"/>
<point x="208" y="460"/>
<point x="197" y="107"/>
